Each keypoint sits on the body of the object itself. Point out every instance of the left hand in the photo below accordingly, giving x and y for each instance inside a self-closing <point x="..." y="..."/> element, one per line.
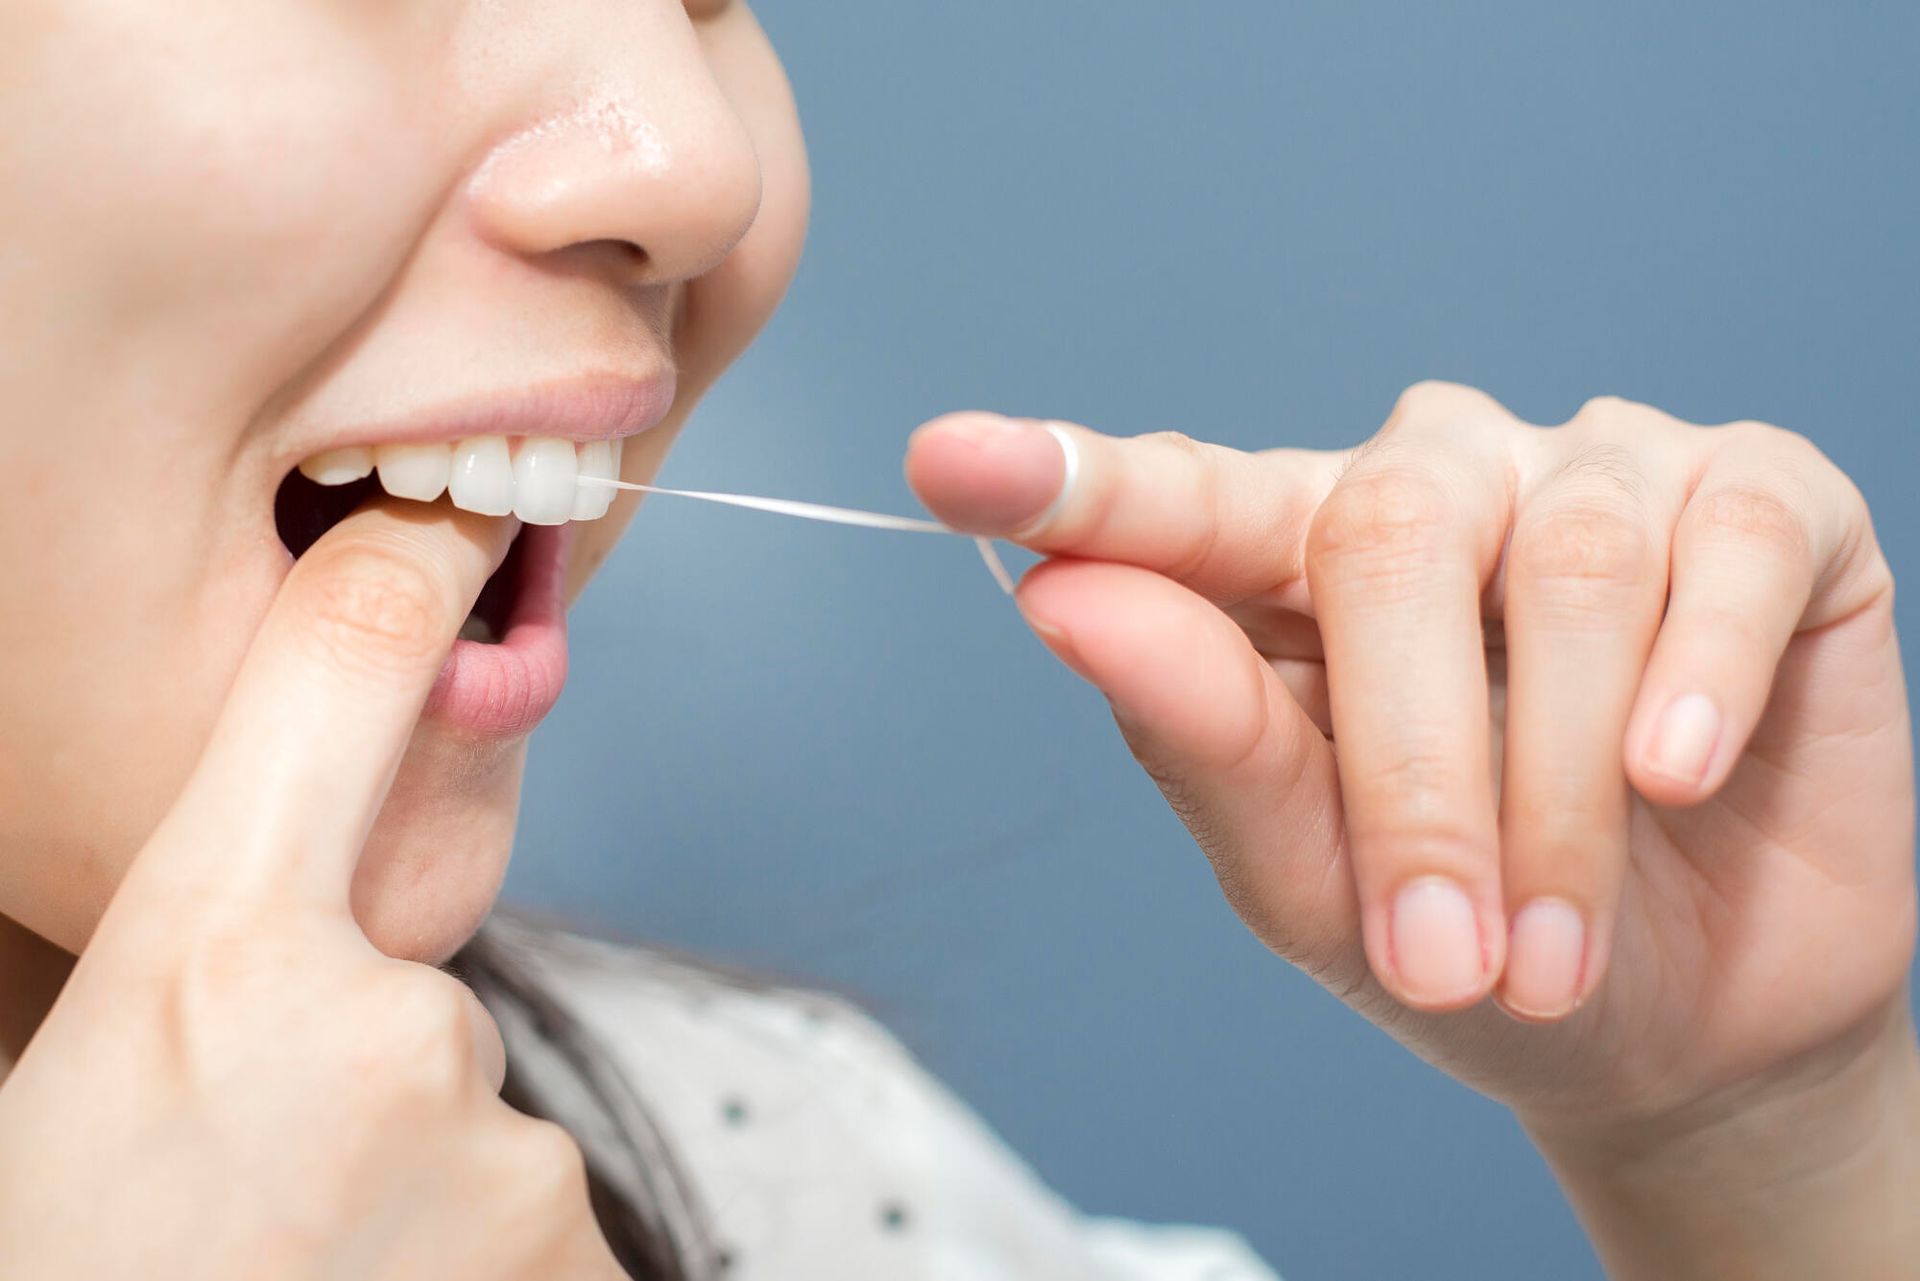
<point x="1604" y="720"/>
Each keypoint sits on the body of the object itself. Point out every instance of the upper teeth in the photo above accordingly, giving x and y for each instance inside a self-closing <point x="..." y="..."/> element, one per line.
<point x="534" y="477"/>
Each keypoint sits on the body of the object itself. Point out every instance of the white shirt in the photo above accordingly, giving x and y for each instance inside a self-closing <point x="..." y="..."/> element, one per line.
<point x="816" y="1146"/>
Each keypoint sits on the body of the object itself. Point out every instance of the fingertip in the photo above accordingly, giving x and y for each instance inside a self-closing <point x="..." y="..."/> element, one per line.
<point x="1433" y="947"/>
<point x="384" y="590"/>
<point x="1109" y="609"/>
<point x="1052" y="586"/>
<point x="1164" y="656"/>
<point x="982" y="473"/>
<point x="1549" y="958"/>
<point x="1045" y="622"/>
<point x="1676" y="754"/>
<point x="1656" y="789"/>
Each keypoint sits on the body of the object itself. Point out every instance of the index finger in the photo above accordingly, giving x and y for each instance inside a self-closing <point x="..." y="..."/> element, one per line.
<point x="1224" y="522"/>
<point x="313" y="729"/>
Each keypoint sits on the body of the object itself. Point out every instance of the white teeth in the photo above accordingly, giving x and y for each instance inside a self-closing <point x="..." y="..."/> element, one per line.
<point x="419" y="472"/>
<point x="482" y="476"/>
<point x="590" y="502"/>
<point x="532" y="477"/>
<point x="545" y="474"/>
<point x="338" y="466"/>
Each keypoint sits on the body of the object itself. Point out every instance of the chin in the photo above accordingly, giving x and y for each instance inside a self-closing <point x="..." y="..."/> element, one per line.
<point x="434" y="863"/>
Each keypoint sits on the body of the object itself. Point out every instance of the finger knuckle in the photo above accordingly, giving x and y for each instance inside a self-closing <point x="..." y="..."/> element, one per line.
<point x="550" y="1161"/>
<point x="1588" y="551"/>
<point x="1750" y="435"/>
<point x="371" y="606"/>
<point x="1755" y="513"/>
<point x="224" y="964"/>
<point x="1438" y="396"/>
<point x="1419" y="776"/>
<point x="224" y="980"/>
<point x="1200" y="464"/>
<point x="1418" y="790"/>
<point x="1602" y="407"/>
<point x="1178" y="441"/>
<point x="426" y="1020"/>
<point x="1787" y="453"/>
<point x="1562" y="836"/>
<point x="1611" y="413"/>
<point x="1387" y="511"/>
<point x="1606" y="468"/>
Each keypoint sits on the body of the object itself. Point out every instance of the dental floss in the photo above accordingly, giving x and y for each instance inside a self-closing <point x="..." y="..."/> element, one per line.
<point x="822" y="511"/>
<point x="1072" y="453"/>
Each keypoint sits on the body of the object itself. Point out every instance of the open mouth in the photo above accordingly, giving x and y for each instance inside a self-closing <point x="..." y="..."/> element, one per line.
<point x="544" y="453"/>
<point x="506" y="669"/>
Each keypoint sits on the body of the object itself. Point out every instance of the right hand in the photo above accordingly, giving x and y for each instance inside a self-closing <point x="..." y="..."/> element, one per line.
<point x="235" y="1083"/>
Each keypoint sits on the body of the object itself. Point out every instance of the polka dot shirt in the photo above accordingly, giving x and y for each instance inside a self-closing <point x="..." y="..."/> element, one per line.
<point x="817" y="1147"/>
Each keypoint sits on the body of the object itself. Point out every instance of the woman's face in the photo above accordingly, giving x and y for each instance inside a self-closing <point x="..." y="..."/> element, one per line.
<point x="236" y="236"/>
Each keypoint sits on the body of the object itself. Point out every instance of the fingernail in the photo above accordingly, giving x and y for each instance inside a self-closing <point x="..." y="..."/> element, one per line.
<point x="1684" y="739"/>
<point x="1436" y="942"/>
<point x="981" y="428"/>
<point x="1546" y="955"/>
<point x="1029" y="468"/>
<point x="1054" y="637"/>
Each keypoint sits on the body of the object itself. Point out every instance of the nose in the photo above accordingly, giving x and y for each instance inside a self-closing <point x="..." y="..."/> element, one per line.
<point x="652" y="162"/>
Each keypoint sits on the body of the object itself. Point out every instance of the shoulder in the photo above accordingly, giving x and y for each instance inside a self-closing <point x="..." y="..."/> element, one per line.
<point x="815" y="1136"/>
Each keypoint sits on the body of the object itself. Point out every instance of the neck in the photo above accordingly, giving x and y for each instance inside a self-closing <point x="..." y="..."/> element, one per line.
<point x="32" y="971"/>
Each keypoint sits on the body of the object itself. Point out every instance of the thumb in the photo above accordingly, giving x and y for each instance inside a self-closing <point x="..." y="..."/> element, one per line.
<point x="320" y="713"/>
<point x="1216" y="728"/>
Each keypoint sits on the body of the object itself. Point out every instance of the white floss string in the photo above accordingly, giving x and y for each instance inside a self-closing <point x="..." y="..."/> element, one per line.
<point x="821" y="511"/>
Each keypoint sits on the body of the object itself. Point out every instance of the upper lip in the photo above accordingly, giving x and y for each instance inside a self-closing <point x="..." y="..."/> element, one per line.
<point x="594" y="407"/>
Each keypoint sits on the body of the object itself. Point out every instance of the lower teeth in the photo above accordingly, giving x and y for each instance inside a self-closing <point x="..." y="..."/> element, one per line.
<point x="478" y="629"/>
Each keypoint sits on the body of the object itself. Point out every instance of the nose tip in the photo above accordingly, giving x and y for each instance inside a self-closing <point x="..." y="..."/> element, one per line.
<point x="675" y="189"/>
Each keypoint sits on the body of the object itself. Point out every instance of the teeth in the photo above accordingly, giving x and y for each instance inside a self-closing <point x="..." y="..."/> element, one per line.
<point x="482" y="476"/>
<point x="597" y="458"/>
<point x="545" y="473"/>
<point x="532" y="477"/>
<point x="415" y="471"/>
<point x="338" y="466"/>
<point x="618" y="446"/>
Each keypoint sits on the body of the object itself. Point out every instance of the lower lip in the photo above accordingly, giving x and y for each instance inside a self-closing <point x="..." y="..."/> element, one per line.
<point x="504" y="690"/>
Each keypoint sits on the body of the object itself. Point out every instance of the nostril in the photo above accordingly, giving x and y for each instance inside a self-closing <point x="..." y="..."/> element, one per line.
<point x="304" y="510"/>
<point x="624" y="262"/>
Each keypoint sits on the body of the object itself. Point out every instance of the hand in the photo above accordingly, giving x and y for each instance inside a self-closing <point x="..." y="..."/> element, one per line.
<point x="234" y="1083"/>
<point x="1604" y="721"/>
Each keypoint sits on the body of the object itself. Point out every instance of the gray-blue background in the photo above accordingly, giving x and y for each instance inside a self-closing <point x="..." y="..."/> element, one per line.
<point x="838" y="753"/>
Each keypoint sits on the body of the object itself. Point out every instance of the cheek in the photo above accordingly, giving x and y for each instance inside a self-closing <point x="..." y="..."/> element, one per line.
<point x="116" y="662"/>
<point x="178" y="196"/>
<point x="435" y="860"/>
<point x="165" y="212"/>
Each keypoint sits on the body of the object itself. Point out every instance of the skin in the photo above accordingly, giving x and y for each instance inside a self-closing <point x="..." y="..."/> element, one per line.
<point x="247" y="229"/>
<point x="182" y="1057"/>
<point x="219" y="789"/>
<point x="1445" y="654"/>
<point x="184" y="353"/>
